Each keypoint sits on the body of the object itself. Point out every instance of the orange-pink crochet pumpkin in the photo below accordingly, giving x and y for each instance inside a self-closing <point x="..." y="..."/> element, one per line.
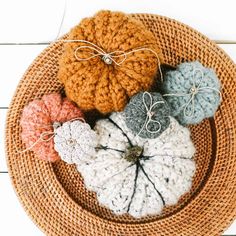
<point x="39" y="116"/>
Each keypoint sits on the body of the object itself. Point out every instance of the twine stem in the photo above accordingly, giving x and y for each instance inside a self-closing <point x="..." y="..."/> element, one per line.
<point x="149" y="114"/>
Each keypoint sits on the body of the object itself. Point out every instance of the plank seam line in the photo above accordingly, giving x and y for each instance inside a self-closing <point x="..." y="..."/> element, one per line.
<point x="49" y="42"/>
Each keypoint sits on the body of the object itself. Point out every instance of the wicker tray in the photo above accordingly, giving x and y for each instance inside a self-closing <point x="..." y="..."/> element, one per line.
<point x="54" y="195"/>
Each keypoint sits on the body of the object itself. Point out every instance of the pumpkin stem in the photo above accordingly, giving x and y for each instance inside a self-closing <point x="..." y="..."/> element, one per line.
<point x="132" y="154"/>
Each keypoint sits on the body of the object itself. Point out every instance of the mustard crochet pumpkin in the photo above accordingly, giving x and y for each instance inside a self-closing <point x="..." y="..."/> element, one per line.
<point x="95" y="81"/>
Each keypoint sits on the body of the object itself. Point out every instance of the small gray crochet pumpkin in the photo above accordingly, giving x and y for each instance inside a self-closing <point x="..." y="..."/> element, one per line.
<point x="147" y="115"/>
<point x="192" y="92"/>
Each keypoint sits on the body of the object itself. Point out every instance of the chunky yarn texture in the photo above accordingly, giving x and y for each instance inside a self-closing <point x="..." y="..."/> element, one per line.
<point x="38" y="118"/>
<point x="135" y="175"/>
<point x="92" y="83"/>
<point x="75" y="141"/>
<point x="192" y="91"/>
<point x="147" y="115"/>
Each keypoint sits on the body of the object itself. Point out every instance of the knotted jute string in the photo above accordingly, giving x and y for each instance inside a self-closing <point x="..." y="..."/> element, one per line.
<point x="149" y="114"/>
<point x="46" y="136"/>
<point x="107" y="57"/>
<point x="195" y="89"/>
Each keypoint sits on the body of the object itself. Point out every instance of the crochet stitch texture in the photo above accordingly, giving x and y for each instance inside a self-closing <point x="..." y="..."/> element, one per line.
<point x="147" y="115"/>
<point x="146" y="181"/>
<point x="92" y="83"/>
<point x="38" y="118"/>
<point x="189" y="78"/>
<point x="75" y="141"/>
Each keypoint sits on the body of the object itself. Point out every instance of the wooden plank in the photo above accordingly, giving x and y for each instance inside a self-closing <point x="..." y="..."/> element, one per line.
<point x="3" y="165"/>
<point x="231" y="231"/>
<point x="37" y="21"/>
<point x="14" y="60"/>
<point x="230" y="49"/>
<point x="14" y="220"/>
<point x="31" y="21"/>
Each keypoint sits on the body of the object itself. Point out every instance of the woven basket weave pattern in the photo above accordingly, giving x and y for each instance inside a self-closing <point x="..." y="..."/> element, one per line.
<point x="54" y="195"/>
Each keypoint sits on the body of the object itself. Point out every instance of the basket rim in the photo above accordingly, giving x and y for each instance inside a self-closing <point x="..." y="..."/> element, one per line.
<point x="85" y="214"/>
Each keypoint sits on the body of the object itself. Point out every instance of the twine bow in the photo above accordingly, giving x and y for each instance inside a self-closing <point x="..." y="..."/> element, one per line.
<point x="46" y="136"/>
<point x="149" y="114"/>
<point x="195" y="89"/>
<point x="117" y="57"/>
<point x="108" y="58"/>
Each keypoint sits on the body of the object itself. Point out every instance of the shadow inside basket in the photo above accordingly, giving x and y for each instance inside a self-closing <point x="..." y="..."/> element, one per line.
<point x="204" y="138"/>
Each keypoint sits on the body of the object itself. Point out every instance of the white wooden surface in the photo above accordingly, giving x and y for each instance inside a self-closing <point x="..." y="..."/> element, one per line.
<point x="33" y="22"/>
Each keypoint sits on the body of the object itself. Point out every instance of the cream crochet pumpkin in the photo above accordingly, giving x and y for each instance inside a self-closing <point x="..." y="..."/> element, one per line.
<point x="75" y="142"/>
<point x="135" y="175"/>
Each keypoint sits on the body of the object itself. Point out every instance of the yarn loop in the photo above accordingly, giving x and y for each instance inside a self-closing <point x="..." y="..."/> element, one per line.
<point x="150" y="114"/>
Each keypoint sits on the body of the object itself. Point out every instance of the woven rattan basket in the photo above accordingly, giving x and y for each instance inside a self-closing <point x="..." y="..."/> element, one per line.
<point x="54" y="195"/>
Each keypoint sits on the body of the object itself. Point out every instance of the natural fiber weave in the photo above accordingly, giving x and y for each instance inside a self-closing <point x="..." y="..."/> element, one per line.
<point x="54" y="194"/>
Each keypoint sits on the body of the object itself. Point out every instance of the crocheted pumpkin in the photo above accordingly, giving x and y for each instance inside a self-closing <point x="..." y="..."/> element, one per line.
<point x="147" y="115"/>
<point x="192" y="91"/>
<point x="38" y="120"/>
<point x="139" y="176"/>
<point x="75" y="141"/>
<point x="110" y="67"/>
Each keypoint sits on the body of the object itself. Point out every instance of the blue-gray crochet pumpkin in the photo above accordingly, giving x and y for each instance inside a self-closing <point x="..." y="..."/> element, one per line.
<point x="192" y="92"/>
